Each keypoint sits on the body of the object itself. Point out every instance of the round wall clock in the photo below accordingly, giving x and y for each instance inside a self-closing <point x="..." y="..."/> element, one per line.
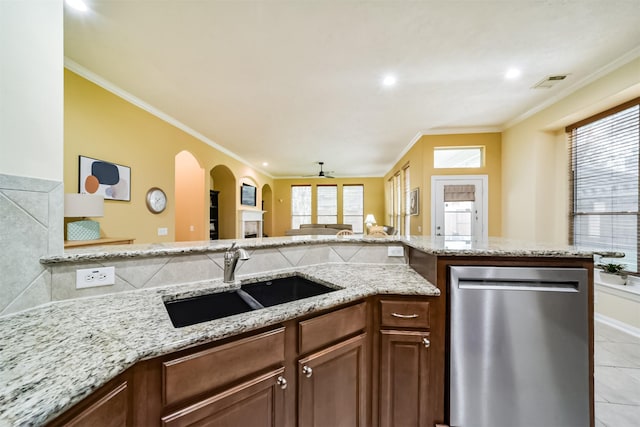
<point x="156" y="200"/>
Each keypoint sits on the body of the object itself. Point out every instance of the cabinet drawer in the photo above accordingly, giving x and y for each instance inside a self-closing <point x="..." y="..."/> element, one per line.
<point x="404" y="314"/>
<point x="206" y="370"/>
<point x="322" y="330"/>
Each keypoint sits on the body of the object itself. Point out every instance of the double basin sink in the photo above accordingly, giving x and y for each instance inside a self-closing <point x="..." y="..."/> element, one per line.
<point x="250" y="296"/>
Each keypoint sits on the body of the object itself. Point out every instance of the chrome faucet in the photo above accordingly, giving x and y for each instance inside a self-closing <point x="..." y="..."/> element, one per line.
<point x="231" y="257"/>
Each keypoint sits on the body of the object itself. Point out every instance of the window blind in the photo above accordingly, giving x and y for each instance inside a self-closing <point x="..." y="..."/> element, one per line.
<point x="459" y="193"/>
<point x="300" y="205"/>
<point x="327" y="204"/>
<point x="604" y="156"/>
<point x="353" y="207"/>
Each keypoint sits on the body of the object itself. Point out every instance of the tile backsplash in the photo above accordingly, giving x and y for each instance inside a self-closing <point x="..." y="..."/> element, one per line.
<point x="31" y="226"/>
<point x="151" y="272"/>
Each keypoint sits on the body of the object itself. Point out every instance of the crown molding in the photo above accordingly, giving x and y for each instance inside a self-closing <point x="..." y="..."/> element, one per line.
<point x="107" y="85"/>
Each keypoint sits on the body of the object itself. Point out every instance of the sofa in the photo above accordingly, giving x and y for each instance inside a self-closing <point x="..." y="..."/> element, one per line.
<point x="315" y="229"/>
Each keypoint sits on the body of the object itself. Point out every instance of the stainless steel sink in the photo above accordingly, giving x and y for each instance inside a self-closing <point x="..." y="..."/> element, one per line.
<point x="251" y="296"/>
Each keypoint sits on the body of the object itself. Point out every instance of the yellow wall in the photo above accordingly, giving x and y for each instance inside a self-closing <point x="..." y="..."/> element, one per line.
<point x="189" y="187"/>
<point x="101" y="125"/>
<point x="420" y="161"/>
<point x="535" y="160"/>
<point x="373" y="198"/>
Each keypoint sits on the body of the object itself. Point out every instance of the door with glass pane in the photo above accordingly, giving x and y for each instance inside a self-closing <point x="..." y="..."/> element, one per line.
<point x="459" y="208"/>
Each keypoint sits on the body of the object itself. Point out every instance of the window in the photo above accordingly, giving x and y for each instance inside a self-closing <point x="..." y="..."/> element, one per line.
<point x="604" y="182"/>
<point x="353" y="207"/>
<point x="300" y="205"/>
<point x="327" y="204"/>
<point x="407" y="201"/>
<point x="397" y="202"/>
<point x="457" y="157"/>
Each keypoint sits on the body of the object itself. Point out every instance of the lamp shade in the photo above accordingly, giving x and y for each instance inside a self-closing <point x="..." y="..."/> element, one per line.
<point x="370" y="219"/>
<point x="83" y="205"/>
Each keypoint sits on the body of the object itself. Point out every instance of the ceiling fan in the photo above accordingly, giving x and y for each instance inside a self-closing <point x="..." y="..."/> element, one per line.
<point x="322" y="173"/>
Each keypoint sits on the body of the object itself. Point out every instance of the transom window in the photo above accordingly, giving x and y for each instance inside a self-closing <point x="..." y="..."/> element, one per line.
<point x="457" y="157"/>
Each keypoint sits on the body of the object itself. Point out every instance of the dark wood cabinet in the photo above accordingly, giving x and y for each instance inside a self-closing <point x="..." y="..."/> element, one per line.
<point x="214" y="226"/>
<point x="404" y="378"/>
<point x="410" y="362"/>
<point x="110" y="406"/>
<point x="258" y="402"/>
<point x="332" y="385"/>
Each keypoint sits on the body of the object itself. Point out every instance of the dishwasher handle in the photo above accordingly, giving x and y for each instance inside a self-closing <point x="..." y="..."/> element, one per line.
<point x="538" y="279"/>
<point x="499" y="285"/>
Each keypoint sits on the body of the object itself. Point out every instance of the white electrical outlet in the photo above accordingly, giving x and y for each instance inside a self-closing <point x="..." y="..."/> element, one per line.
<point x="163" y="231"/>
<point x="93" y="277"/>
<point x="395" y="251"/>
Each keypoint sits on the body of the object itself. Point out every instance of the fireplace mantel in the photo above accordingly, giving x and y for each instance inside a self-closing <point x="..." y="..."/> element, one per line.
<point x="246" y="217"/>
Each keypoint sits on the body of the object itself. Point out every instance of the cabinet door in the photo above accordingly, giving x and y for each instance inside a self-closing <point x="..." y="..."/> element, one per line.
<point x="109" y="410"/>
<point x="256" y="403"/>
<point x="332" y="386"/>
<point x="404" y="379"/>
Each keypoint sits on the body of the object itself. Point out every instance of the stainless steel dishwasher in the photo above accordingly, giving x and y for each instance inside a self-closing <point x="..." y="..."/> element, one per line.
<point x="519" y="347"/>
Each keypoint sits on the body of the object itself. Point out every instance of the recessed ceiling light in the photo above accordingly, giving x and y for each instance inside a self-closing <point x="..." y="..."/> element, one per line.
<point x="79" y="5"/>
<point x="389" y="80"/>
<point x="265" y="164"/>
<point x="512" y="74"/>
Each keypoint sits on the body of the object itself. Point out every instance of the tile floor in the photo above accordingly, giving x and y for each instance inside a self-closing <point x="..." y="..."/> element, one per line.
<point x="617" y="377"/>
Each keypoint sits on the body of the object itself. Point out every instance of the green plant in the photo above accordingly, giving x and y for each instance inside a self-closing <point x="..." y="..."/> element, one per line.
<point x="612" y="268"/>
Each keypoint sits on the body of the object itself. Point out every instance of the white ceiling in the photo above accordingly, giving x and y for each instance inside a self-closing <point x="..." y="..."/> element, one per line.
<point x="295" y="82"/>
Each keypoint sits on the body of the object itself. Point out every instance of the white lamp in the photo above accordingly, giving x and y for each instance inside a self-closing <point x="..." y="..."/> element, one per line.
<point x="369" y="221"/>
<point x="83" y="206"/>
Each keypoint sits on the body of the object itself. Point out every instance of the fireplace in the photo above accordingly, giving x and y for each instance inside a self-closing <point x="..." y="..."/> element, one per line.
<point x="250" y="224"/>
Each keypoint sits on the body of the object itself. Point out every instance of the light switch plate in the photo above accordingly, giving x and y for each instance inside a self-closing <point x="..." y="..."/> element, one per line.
<point x="395" y="251"/>
<point x="93" y="277"/>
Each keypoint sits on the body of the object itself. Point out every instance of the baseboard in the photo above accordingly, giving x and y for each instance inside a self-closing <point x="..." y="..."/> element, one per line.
<point x="624" y="327"/>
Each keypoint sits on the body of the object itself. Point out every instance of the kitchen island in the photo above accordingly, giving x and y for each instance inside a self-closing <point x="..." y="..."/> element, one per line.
<point x="53" y="356"/>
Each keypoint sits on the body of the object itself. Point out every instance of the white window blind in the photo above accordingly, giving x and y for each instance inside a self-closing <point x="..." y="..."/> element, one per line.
<point x="604" y="155"/>
<point x="397" y="202"/>
<point x="300" y="205"/>
<point x="407" y="201"/>
<point x="327" y="196"/>
<point x="353" y="207"/>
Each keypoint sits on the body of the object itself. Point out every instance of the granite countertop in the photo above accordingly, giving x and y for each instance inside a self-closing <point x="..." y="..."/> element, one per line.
<point x="53" y="356"/>
<point x="494" y="246"/>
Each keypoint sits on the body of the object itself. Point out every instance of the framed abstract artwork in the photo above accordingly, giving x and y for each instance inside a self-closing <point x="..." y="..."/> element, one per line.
<point x="108" y="179"/>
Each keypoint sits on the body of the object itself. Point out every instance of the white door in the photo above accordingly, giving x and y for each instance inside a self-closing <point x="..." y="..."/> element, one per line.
<point x="459" y="208"/>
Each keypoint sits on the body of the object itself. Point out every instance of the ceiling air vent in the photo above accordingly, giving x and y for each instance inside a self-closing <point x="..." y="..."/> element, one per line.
<point x="550" y="81"/>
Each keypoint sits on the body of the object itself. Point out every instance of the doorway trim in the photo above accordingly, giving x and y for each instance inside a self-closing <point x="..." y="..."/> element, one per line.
<point x="462" y="178"/>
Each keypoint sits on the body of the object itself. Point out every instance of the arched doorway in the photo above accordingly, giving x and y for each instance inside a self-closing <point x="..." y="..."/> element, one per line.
<point x="267" y="207"/>
<point x="190" y="201"/>
<point x="223" y="181"/>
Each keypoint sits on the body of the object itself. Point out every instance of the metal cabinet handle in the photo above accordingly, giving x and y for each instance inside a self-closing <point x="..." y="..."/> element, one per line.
<point x="307" y="371"/>
<point x="282" y="382"/>
<point x="426" y="342"/>
<point x="404" y="316"/>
